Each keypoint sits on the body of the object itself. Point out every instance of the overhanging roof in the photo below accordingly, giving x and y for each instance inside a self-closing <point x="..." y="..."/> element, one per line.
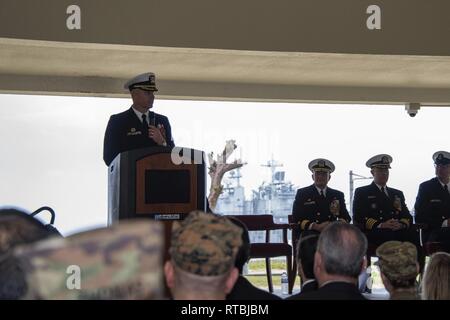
<point x="257" y="50"/>
<point x="61" y="68"/>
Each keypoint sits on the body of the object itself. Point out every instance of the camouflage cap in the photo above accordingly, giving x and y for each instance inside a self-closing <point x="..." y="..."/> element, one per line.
<point x="397" y="260"/>
<point x="205" y="244"/>
<point x="17" y="228"/>
<point x="120" y="262"/>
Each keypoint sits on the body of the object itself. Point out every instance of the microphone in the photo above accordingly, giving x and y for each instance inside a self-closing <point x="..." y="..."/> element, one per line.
<point x="151" y="118"/>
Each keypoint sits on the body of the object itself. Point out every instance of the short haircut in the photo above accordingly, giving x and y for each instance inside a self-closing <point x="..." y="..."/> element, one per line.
<point x="343" y="248"/>
<point x="199" y="284"/>
<point x="306" y="248"/>
<point x="244" y="250"/>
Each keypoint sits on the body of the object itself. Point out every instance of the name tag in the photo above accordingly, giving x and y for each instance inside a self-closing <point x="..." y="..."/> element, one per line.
<point x="435" y="200"/>
<point x="309" y="203"/>
<point x="134" y="133"/>
<point x="371" y="197"/>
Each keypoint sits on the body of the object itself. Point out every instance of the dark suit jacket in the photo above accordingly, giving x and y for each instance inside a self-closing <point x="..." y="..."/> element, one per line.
<point x="372" y="207"/>
<point x="244" y="290"/>
<point x="334" y="291"/>
<point x="310" y="207"/>
<point x="432" y="204"/>
<point x="309" y="287"/>
<point x="125" y="132"/>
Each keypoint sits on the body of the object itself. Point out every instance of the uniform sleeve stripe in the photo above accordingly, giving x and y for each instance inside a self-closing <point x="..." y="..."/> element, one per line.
<point x="303" y="224"/>
<point x="370" y="223"/>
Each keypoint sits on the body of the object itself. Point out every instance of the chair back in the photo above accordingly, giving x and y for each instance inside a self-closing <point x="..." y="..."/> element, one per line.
<point x="268" y="249"/>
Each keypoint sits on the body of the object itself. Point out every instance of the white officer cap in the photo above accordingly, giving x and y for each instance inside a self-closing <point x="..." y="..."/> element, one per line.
<point x="441" y="157"/>
<point x="145" y="81"/>
<point x="321" y="164"/>
<point x="382" y="161"/>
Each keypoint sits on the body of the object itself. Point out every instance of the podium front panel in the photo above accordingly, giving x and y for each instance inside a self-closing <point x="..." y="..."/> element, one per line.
<point x="164" y="187"/>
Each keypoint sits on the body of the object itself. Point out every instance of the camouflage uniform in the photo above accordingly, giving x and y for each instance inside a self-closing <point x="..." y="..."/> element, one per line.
<point x="120" y="262"/>
<point x="205" y="244"/>
<point x="398" y="262"/>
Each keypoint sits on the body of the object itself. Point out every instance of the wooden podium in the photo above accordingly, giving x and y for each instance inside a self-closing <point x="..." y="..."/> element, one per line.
<point x="152" y="183"/>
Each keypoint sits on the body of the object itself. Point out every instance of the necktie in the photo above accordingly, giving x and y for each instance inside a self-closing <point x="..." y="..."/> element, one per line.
<point x="384" y="191"/>
<point x="322" y="195"/>
<point x="144" y="125"/>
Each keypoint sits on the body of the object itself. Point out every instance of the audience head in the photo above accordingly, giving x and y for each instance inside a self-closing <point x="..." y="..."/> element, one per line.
<point x="341" y="253"/>
<point x="398" y="264"/>
<point x="436" y="281"/>
<point x="13" y="282"/>
<point x="306" y="249"/>
<point x="16" y="228"/>
<point x="203" y="251"/>
<point x="244" y="250"/>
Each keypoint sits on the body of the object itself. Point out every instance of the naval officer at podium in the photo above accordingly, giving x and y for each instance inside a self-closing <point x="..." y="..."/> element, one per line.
<point x="138" y="127"/>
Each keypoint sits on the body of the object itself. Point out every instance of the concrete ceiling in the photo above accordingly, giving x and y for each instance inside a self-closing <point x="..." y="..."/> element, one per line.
<point x="63" y="68"/>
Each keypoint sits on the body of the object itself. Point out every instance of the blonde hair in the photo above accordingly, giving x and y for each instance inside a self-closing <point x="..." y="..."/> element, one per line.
<point x="436" y="281"/>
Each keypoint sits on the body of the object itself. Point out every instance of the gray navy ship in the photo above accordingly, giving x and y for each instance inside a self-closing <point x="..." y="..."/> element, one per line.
<point x="274" y="197"/>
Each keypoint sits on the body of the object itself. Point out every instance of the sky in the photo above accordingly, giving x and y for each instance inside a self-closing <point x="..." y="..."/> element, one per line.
<point x="52" y="146"/>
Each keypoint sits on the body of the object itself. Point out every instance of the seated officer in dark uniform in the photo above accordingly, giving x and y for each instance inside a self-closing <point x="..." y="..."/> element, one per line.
<point x="318" y="205"/>
<point x="381" y="211"/>
<point x="433" y="202"/>
<point x="137" y="127"/>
